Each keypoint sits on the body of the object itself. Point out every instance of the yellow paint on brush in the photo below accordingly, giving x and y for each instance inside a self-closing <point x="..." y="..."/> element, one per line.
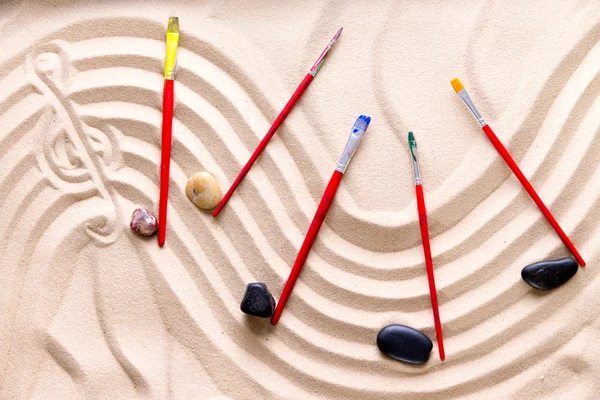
<point x="457" y="85"/>
<point x="172" y="43"/>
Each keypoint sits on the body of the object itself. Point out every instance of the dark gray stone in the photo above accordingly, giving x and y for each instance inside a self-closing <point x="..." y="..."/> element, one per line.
<point x="546" y="275"/>
<point x="404" y="343"/>
<point x="258" y="301"/>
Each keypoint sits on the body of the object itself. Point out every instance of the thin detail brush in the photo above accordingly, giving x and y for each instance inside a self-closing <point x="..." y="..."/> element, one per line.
<point x="412" y="144"/>
<point x="278" y="121"/>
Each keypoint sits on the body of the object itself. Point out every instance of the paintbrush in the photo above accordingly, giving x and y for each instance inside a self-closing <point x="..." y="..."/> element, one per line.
<point x="167" y="125"/>
<point x="278" y="121"/>
<point x="358" y="130"/>
<point x="412" y="144"/>
<point x="462" y="92"/>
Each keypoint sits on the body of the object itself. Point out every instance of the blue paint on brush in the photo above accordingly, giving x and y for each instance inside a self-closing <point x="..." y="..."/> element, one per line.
<point x="362" y="123"/>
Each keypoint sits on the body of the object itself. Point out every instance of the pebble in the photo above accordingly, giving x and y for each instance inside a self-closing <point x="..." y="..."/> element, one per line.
<point x="203" y="190"/>
<point x="404" y="343"/>
<point x="144" y="222"/>
<point x="546" y="275"/>
<point x="258" y="301"/>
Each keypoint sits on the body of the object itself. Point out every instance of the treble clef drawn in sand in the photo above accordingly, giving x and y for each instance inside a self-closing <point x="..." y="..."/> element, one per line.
<point x="74" y="156"/>
<point x="80" y="157"/>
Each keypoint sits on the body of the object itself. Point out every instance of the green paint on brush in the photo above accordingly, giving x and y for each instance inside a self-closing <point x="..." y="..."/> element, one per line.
<point x="413" y="145"/>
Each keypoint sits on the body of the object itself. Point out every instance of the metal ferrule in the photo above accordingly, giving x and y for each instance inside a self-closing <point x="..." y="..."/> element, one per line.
<point x="414" y="155"/>
<point x="319" y="63"/>
<point x="351" y="146"/>
<point x="465" y="96"/>
<point x="171" y="55"/>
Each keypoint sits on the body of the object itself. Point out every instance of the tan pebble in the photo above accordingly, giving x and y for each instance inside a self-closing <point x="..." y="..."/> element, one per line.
<point x="203" y="190"/>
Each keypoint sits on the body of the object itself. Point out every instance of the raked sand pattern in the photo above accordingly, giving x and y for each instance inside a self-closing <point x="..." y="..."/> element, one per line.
<point x="90" y="310"/>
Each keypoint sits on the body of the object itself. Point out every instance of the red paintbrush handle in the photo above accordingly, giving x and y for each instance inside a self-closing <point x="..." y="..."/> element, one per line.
<point x="515" y="169"/>
<point x="165" y="161"/>
<point x="311" y="235"/>
<point x="263" y="143"/>
<point x="429" y="267"/>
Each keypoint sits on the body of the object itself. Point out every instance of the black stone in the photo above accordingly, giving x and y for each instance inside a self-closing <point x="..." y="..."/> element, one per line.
<point x="404" y="343"/>
<point x="546" y="275"/>
<point x="258" y="301"/>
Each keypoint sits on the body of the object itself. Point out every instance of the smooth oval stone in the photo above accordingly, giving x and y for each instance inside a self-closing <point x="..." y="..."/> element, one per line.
<point x="404" y="343"/>
<point x="546" y="275"/>
<point x="258" y="301"/>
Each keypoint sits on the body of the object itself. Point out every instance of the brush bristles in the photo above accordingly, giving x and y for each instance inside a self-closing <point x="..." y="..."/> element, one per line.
<point x="457" y="85"/>
<point x="362" y="123"/>
<point x="173" y="25"/>
<point x="338" y="33"/>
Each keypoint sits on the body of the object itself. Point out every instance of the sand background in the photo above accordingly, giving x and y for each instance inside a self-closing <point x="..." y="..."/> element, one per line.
<point x="90" y="310"/>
